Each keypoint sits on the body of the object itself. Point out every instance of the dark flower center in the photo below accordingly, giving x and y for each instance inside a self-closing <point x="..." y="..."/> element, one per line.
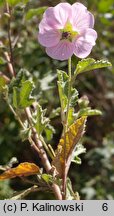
<point x="65" y="35"/>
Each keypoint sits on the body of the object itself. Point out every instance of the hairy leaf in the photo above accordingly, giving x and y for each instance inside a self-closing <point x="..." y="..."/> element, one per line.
<point x="23" y="169"/>
<point x="24" y="134"/>
<point x="63" y="88"/>
<point x="74" y="97"/>
<point x="71" y="138"/>
<point x="79" y="150"/>
<point x="25" y="94"/>
<point x="55" y="113"/>
<point x="88" y="112"/>
<point x="90" y="64"/>
<point x="22" y="96"/>
<point x="41" y="123"/>
<point x="39" y="120"/>
<point x="70" y="195"/>
<point x="17" y="81"/>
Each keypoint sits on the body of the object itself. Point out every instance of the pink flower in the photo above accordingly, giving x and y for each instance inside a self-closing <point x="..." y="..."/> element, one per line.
<point x="66" y="30"/>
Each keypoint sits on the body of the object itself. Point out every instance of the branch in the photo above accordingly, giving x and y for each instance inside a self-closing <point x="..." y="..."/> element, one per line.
<point x="35" y="142"/>
<point x="5" y="77"/>
<point x="9" y="38"/>
<point x="43" y="155"/>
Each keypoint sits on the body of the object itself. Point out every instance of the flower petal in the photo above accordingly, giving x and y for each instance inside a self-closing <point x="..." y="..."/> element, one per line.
<point x="84" y="43"/>
<point x="57" y="16"/>
<point x="49" y="38"/>
<point x="44" y="27"/>
<point x="63" y="12"/>
<point x="62" y="51"/>
<point x="81" y="17"/>
<point x="51" y="18"/>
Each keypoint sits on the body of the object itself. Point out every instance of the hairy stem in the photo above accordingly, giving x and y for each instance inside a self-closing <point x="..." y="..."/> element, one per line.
<point x="65" y="128"/>
<point x="69" y="91"/>
<point x="9" y="37"/>
<point x="35" y="142"/>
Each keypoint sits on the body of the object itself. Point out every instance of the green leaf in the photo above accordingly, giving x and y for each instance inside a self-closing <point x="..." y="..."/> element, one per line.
<point x="79" y="150"/>
<point x="90" y="64"/>
<point x="35" y="12"/>
<point x="15" y="2"/>
<point x="2" y="83"/>
<point x="70" y="195"/>
<point x="71" y="116"/>
<point x="63" y="88"/>
<point x="88" y="112"/>
<point x="22" y="96"/>
<point x="2" y="61"/>
<point x="55" y="113"/>
<point x="77" y="160"/>
<point x="47" y="178"/>
<point x="25" y="94"/>
<point x="24" y="134"/>
<point x="39" y="120"/>
<point x="16" y="82"/>
<point x="74" y="97"/>
<point x="49" y="130"/>
<point x="16" y="97"/>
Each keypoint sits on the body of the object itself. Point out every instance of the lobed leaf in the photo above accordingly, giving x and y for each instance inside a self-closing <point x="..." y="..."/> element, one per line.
<point x="39" y="120"/>
<point x="79" y="150"/>
<point x="25" y="94"/>
<point x="41" y="123"/>
<point x="23" y="169"/>
<point x="74" y="97"/>
<point x="22" y="96"/>
<point x="63" y="88"/>
<point x="71" y="138"/>
<point x="90" y="64"/>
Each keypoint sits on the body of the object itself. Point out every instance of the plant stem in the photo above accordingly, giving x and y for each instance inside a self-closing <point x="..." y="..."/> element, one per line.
<point x="9" y="38"/>
<point x="22" y="125"/>
<point x="16" y="115"/>
<point x="35" y="142"/>
<point x="65" y="128"/>
<point x="69" y="91"/>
